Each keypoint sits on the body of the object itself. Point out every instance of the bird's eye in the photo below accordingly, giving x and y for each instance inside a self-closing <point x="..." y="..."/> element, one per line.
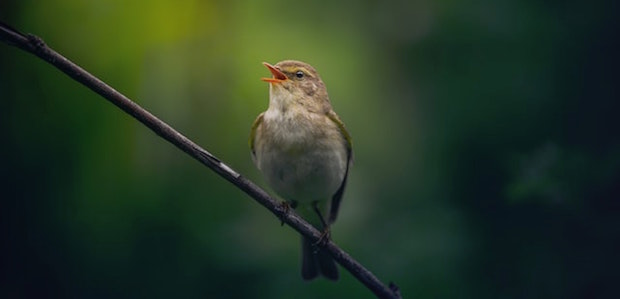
<point x="299" y="74"/>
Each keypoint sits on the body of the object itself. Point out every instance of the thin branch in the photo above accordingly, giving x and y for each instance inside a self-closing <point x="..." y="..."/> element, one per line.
<point x="36" y="46"/>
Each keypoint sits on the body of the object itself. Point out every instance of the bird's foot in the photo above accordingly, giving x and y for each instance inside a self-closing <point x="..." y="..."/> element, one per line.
<point x="324" y="238"/>
<point x="285" y="206"/>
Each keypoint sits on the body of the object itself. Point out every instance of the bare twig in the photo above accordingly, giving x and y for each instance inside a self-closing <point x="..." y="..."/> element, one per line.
<point x="36" y="46"/>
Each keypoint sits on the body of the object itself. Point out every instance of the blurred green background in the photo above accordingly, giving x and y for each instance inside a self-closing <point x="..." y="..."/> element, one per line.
<point x="487" y="155"/>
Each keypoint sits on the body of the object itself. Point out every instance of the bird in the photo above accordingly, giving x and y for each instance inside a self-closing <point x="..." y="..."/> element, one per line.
<point x="304" y="152"/>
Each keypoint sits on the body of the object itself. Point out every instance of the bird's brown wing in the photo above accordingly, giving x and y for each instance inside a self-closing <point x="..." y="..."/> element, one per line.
<point x="255" y="125"/>
<point x="337" y="197"/>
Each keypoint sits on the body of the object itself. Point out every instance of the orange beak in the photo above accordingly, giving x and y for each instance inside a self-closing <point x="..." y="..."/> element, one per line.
<point x="278" y="76"/>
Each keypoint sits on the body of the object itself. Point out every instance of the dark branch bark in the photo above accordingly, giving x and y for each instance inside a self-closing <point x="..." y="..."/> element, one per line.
<point x="36" y="46"/>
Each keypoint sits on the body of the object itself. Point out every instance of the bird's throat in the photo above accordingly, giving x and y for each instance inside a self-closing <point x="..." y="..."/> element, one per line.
<point x="280" y="100"/>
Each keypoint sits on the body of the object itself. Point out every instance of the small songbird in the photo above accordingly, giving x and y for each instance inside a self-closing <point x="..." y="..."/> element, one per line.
<point x="303" y="150"/>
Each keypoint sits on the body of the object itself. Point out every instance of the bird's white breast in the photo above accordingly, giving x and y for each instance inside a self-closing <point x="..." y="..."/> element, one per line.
<point x="302" y="155"/>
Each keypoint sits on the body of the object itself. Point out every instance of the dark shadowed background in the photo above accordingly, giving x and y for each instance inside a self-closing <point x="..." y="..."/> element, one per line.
<point x="487" y="155"/>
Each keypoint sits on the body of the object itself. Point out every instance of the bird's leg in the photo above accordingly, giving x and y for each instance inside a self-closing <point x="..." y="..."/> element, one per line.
<point x="286" y="207"/>
<point x="325" y="234"/>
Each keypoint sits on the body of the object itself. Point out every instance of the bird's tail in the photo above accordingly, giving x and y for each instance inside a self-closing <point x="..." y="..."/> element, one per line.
<point x="315" y="261"/>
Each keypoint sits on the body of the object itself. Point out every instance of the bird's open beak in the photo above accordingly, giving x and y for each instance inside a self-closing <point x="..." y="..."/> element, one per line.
<point x="278" y="76"/>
